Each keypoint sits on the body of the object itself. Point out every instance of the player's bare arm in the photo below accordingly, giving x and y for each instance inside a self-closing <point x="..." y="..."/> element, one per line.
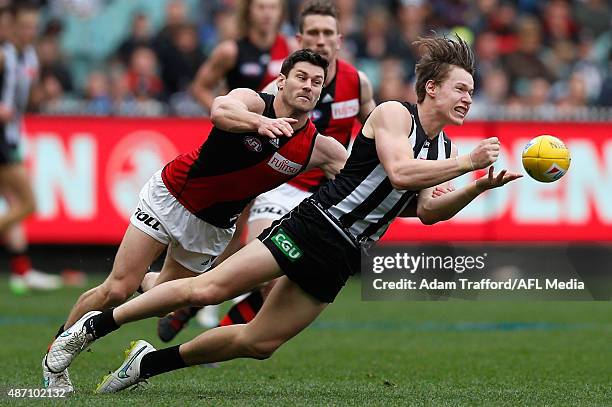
<point x="439" y="203"/>
<point x="366" y="103"/>
<point x="6" y="111"/>
<point x="221" y="61"/>
<point x="241" y="111"/>
<point x="390" y="125"/>
<point x="329" y="155"/>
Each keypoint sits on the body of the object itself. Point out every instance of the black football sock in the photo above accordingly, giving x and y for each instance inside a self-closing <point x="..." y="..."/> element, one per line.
<point x="193" y="311"/>
<point x="245" y="310"/>
<point x="101" y="324"/>
<point x="60" y="331"/>
<point x="161" y="361"/>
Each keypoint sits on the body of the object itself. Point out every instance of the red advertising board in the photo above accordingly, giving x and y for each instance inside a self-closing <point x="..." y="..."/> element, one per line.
<point x="87" y="173"/>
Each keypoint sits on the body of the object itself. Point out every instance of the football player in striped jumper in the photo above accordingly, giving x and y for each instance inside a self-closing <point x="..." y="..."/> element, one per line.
<point x="398" y="158"/>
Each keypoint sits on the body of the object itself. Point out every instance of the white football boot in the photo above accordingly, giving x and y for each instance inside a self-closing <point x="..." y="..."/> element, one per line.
<point x="128" y="373"/>
<point x="59" y="381"/>
<point x="69" y="344"/>
<point x="37" y="280"/>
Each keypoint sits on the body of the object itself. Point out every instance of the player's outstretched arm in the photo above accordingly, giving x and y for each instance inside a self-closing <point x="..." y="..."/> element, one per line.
<point x="329" y="155"/>
<point x="210" y="74"/>
<point x="435" y="207"/>
<point x="240" y="111"/>
<point x="390" y="125"/>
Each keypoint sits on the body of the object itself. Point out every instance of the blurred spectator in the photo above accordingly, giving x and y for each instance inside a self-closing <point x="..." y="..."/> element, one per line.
<point x="605" y="96"/>
<point x="560" y="58"/>
<point x="97" y="94"/>
<point x="176" y="15"/>
<point x="392" y="85"/>
<point x="593" y="16"/>
<point x="251" y="61"/>
<point x="449" y="13"/>
<point x="374" y="41"/>
<point x="479" y="14"/>
<point x="494" y="90"/>
<point x="487" y="56"/>
<point x="526" y="62"/>
<point x="181" y="60"/>
<point x="538" y="93"/>
<point x="502" y="23"/>
<point x="142" y="77"/>
<point x="575" y="94"/>
<point x="51" y="60"/>
<point x="548" y="49"/>
<point x="558" y="22"/>
<point x="140" y="36"/>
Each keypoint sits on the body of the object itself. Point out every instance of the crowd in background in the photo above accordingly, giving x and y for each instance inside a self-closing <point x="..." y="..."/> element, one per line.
<point x="546" y="59"/>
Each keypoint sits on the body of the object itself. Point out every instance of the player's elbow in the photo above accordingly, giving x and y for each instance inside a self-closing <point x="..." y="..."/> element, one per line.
<point x="401" y="181"/>
<point x="217" y="111"/>
<point x="427" y="215"/>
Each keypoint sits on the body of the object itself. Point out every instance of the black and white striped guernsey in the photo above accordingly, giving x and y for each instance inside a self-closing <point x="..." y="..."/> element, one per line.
<point x="361" y="201"/>
<point x="19" y="71"/>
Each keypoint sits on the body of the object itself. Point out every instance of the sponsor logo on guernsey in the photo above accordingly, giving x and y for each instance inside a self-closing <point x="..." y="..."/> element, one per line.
<point x="284" y="165"/>
<point x="315" y="115"/>
<point x="274" y="142"/>
<point x="342" y="110"/>
<point x="250" y="69"/>
<point x="147" y="219"/>
<point x="286" y="245"/>
<point x="253" y="143"/>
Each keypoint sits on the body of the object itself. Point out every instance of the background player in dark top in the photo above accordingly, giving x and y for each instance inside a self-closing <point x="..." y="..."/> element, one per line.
<point x="18" y="72"/>
<point x="313" y="249"/>
<point x="346" y="97"/>
<point x="190" y="206"/>
<point x="251" y="61"/>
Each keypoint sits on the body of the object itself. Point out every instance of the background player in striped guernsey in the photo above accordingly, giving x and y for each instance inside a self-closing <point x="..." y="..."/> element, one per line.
<point x="18" y="72"/>
<point x="346" y="97"/>
<point x="190" y="206"/>
<point x="253" y="60"/>
<point x="316" y="246"/>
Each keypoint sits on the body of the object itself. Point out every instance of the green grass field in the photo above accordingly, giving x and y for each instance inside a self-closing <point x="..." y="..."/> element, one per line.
<point x="357" y="353"/>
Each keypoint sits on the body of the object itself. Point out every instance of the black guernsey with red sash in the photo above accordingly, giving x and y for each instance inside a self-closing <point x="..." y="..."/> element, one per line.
<point x="217" y="180"/>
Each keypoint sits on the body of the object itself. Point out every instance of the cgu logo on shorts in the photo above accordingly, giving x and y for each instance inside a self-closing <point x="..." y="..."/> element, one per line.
<point x="286" y="245"/>
<point x="284" y="165"/>
<point x="147" y="219"/>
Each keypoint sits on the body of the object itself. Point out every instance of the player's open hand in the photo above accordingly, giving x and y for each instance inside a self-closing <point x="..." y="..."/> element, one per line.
<point x="275" y="128"/>
<point x="491" y="180"/>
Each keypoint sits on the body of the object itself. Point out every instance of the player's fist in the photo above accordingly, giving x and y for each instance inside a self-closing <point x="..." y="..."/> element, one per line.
<point x="275" y="128"/>
<point x="485" y="153"/>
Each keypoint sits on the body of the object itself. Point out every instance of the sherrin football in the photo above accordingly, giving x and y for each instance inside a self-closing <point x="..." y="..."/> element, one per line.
<point x="546" y="158"/>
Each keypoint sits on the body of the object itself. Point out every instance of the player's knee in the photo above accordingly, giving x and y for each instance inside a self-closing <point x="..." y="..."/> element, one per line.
<point x="115" y="293"/>
<point x="263" y="349"/>
<point x="211" y="294"/>
<point x="258" y="348"/>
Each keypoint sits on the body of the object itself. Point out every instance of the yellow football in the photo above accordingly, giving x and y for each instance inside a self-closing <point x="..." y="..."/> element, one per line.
<point x="546" y="159"/>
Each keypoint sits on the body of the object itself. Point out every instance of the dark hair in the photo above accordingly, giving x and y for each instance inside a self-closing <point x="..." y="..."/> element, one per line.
<point x="317" y="7"/>
<point x="23" y="6"/>
<point x="440" y="54"/>
<point x="304" y="55"/>
<point x="244" y="15"/>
